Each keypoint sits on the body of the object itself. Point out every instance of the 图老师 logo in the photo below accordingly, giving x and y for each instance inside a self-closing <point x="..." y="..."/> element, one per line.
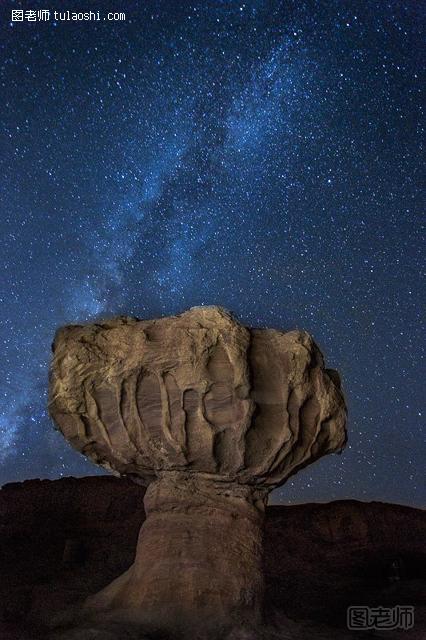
<point x="364" y="618"/>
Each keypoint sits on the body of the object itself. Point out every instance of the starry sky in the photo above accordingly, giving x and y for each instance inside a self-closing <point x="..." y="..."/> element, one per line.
<point x="261" y="155"/>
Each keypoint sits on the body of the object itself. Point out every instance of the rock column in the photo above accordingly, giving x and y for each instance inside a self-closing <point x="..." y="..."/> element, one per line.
<point x="198" y="562"/>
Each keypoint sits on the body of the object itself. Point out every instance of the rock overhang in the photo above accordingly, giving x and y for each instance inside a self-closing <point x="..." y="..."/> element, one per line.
<point x="197" y="392"/>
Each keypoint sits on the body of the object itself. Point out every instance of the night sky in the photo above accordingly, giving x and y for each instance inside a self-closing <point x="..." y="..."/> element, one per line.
<point x="261" y="155"/>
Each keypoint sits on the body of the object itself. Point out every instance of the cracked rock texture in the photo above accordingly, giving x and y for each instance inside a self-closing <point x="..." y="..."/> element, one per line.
<point x="212" y="416"/>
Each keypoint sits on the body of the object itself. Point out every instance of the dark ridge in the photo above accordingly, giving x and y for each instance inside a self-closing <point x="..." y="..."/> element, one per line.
<point x="63" y="539"/>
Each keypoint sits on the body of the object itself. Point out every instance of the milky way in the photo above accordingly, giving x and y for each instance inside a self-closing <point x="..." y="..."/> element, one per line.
<point x="264" y="156"/>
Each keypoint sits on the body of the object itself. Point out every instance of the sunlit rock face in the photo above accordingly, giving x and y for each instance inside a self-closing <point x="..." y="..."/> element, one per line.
<point x="212" y="416"/>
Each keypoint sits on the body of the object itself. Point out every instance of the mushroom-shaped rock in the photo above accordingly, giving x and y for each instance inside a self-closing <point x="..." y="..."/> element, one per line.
<point x="211" y="416"/>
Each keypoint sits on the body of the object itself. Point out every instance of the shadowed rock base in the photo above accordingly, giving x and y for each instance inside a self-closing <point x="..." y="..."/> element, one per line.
<point x="198" y="563"/>
<point x="318" y="560"/>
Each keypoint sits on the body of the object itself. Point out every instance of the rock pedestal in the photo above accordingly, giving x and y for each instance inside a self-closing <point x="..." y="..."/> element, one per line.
<point x="211" y="416"/>
<point x="199" y="558"/>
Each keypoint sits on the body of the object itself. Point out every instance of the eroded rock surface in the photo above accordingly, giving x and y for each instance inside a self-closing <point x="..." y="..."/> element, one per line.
<point x="212" y="416"/>
<point x="198" y="392"/>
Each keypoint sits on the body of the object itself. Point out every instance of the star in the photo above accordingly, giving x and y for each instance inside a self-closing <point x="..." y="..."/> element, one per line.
<point x="260" y="156"/>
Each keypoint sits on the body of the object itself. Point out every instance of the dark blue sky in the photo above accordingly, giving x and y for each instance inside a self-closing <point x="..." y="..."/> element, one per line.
<point x="261" y="155"/>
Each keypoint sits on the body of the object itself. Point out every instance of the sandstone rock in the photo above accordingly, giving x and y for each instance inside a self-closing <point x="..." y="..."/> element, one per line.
<point x="211" y="416"/>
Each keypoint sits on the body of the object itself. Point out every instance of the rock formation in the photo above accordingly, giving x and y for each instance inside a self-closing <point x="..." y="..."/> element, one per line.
<point x="211" y="416"/>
